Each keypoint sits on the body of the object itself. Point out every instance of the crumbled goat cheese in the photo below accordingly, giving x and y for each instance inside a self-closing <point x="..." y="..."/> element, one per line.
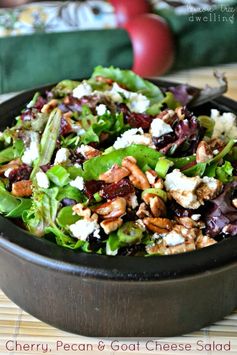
<point x="83" y="228"/>
<point x="133" y="201"/>
<point x="136" y="102"/>
<point x="178" y="181"/>
<point x="132" y="136"/>
<point x="101" y="109"/>
<point x="83" y="89"/>
<point x="62" y="156"/>
<point x="159" y="128"/>
<point x="42" y="180"/>
<point x="173" y="238"/>
<point x="196" y="217"/>
<point x="211" y="182"/>
<point x="7" y="172"/>
<point x="31" y="153"/>
<point x="225" y="125"/>
<point x="78" y="183"/>
<point x="183" y="188"/>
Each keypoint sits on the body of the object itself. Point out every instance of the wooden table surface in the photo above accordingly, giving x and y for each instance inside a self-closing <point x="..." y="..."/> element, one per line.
<point x="17" y="325"/>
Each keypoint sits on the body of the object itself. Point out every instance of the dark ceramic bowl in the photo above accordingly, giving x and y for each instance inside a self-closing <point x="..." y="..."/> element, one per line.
<point x="103" y="296"/>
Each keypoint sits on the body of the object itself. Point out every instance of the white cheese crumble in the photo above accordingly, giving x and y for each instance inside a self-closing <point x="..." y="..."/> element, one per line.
<point x="42" y="180"/>
<point x="83" y="89"/>
<point x="78" y="183"/>
<point x="132" y="136"/>
<point x="159" y="128"/>
<point x="133" y="202"/>
<point x="136" y="102"/>
<point x="196" y="217"/>
<point x="101" y="109"/>
<point x="173" y="238"/>
<point x="83" y="228"/>
<point x="183" y="188"/>
<point x="178" y="181"/>
<point x="62" y="156"/>
<point x="211" y="182"/>
<point x="225" y="125"/>
<point x="32" y="152"/>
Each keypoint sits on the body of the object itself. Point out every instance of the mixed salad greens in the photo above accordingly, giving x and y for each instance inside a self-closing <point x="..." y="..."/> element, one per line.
<point x="117" y="166"/>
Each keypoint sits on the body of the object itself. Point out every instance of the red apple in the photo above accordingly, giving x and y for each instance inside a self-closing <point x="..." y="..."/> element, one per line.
<point x="153" y="44"/>
<point x="126" y="10"/>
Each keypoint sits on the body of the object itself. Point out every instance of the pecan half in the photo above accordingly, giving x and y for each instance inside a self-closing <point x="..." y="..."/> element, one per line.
<point x="22" y="188"/>
<point x="111" y="224"/>
<point x="158" y="225"/>
<point x="112" y="209"/>
<point x="204" y="241"/>
<point x="137" y="177"/>
<point x="115" y="174"/>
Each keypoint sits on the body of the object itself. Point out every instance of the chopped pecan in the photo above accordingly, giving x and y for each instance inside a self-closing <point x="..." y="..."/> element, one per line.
<point x="143" y="211"/>
<point x="47" y="108"/>
<point x="88" y="152"/>
<point x="187" y="233"/>
<point x="156" y="204"/>
<point x="162" y="249"/>
<point x="180" y="113"/>
<point x="158" y="225"/>
<point x="22" y="188"/>
<point x="112" y="209"/>
<point x="234" y="202"/>
<point x="82" y="210"/>
<point x="111" y="224"/>
<point x="204" y="241"/>
<point x="208" y="189"/>
<point x="151" y="176"/>
<point x="203" y="153"/>
<point x="166" y="116"/>
<point x="137" y="177"/>
<point x="159" y="184"/>
<point x="115" y="174"/>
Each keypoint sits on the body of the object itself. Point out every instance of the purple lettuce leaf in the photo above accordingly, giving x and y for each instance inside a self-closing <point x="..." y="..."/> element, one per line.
<point x="220" y="214"/>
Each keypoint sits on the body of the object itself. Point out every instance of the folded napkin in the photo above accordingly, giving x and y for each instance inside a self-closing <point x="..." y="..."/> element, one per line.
<point x="38" y="59"/>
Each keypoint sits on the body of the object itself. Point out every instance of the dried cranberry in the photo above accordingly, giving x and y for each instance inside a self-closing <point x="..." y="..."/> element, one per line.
<point x="134" y="119"/>
<point x="28" y="115"/>
<point x="45" y="167"/>
<point x="117" y="189"/>
<point x="21" y="173"/>
<point x="40" y="103"/>
<point x="93" y="186"/>
<point x="65" y="127"/>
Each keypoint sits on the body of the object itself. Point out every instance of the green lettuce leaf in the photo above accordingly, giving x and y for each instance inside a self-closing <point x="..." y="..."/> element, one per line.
<point x="98" y="165"/>
<point x="131" y="81"/>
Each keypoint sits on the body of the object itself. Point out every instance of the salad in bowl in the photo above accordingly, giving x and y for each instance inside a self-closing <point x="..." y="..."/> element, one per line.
<point x="115" y="165"/>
